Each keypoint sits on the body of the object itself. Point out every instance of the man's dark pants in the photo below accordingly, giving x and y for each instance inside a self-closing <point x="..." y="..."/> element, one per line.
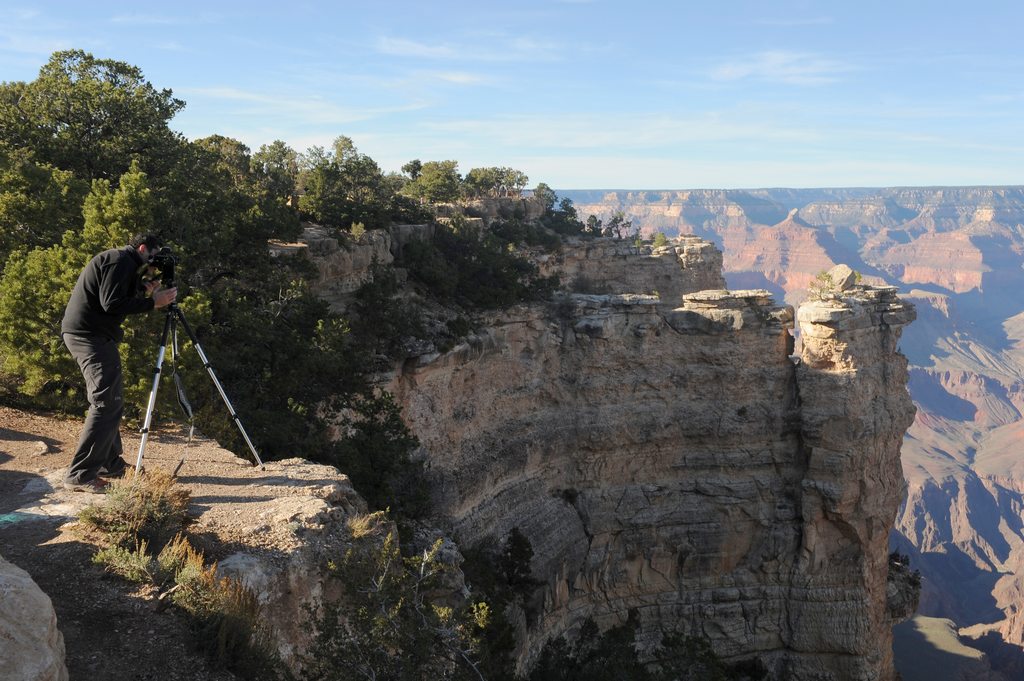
<point x="99" y="448"/>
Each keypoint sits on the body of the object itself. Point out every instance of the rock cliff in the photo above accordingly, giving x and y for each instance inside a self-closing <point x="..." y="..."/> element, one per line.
<point x="958" y="253"/>
<point x="674" y="460"/>
<point x="606" y="265"/>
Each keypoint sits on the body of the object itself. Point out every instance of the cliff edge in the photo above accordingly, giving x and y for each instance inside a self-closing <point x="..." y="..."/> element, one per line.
<point x="675" y="461"/>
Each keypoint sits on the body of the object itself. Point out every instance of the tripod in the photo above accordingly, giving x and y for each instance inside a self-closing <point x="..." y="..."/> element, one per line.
<point x="173" y="316"/>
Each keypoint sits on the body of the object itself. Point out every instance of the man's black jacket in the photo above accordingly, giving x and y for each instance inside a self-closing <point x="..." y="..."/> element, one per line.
<point x="108" y="289"/>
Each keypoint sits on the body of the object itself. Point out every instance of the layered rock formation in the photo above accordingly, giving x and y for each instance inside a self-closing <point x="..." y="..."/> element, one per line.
<point x="958" y="253"/>
<point x="676" y="462"/>
<point x="344" y="263"/>
<point x="607" y="265"/>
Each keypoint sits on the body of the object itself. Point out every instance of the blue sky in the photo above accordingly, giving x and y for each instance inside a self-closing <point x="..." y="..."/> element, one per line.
<point x="584" y="93"/>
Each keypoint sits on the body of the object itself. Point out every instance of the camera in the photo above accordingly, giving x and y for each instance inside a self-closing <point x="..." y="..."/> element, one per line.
<point x="165" y="261"/>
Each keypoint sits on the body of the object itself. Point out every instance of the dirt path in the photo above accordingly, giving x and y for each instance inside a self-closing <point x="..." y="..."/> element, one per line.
<point x="111" y="629"/>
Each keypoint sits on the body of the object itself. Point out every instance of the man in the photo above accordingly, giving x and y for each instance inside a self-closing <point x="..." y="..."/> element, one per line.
<point x="108" y="289"/>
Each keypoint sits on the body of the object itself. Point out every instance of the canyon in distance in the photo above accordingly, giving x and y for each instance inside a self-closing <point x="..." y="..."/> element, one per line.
<point x="957" y="254"/>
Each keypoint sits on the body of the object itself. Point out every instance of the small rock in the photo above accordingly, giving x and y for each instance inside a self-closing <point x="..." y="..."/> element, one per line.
<point x="39" y="448"/>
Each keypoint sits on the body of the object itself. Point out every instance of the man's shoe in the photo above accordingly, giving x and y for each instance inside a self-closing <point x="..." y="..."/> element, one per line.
<point x="94" y="486"/>
<point x="115" y="470"/>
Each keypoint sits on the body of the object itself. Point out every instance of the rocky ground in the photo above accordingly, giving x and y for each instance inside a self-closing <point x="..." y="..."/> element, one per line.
<point x="112" y="629"/>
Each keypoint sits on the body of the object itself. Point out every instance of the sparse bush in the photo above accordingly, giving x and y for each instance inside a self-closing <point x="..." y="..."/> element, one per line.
<point x="459" y="327"/>
<point x="145" y="508"/>
<point x="388" y="624"/>
<point x="224" y="614"/>
<point x="383" y="320"/>
<point x="612" y="656"/>
<point x="475" y="269"/>
<point x="517" y="231"/>
<point x="824" y="288"/>
<point x="375" y="453"/>
<point x="584" y="284"/>
<point x="134" y="565"/>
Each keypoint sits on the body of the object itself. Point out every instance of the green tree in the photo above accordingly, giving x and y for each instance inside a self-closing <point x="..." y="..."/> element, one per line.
<point x="514" y="180"/>
<point x="660" y="240"/>
<point x="375" y="453"/>
<point x="343" y="187"/>
<point x="474" y="268"/>
<point x="618" y="226"/>
<point x="546" y="195"/>
<point x="438" y="182"/>
<point x="564" y="219"/>
<point x="38" y="202"/>
<point x="37" y="283"/>
<point x="483" y="182"/>
<point x="413" y="168"/>
<point x="494" y="181"/>
<point x="612" y="656"/>
<point x="258" y="195"/>
<point x="91" y="117"/>
<point x="279" y="163"/>
<point x="344" y="148"/>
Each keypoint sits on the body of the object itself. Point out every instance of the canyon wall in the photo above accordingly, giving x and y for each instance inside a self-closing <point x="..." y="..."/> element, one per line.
<point x="671" y="458"/>
<point x="958" y="254"/>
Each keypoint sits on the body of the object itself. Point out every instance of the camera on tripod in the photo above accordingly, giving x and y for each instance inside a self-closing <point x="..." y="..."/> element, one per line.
<point x="165" y="261"/>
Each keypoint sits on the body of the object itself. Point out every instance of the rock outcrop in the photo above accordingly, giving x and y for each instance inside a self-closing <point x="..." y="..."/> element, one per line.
<point x="294" y="523"/>
<point x="685" y="265"/>
<point x="674" y="461"/>
<point x="31" y="646"/>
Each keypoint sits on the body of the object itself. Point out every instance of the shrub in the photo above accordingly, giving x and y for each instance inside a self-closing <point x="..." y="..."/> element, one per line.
<point x="383" y="320"/>
<point x="376" y="454"/>
<point x="612" y="656"/>
<point x="224" y="614"/>
<point x="388" y="623"/>
<point x="475" y="269"/>
<point x="135" y="566"/>
<point x="145" y="508"/>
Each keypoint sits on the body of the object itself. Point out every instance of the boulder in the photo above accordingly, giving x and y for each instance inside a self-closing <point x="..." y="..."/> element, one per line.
<point x="31" y="645"/>
<point x="843" y="277"/>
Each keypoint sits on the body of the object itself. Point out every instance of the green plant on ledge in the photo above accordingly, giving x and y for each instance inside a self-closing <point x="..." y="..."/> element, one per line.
<point x="141" y="523"/>
<point x="823" y="287"/>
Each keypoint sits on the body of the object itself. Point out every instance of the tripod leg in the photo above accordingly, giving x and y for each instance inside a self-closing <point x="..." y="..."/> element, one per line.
<point x="168" y="322"/>
<point x="220" y="388"/>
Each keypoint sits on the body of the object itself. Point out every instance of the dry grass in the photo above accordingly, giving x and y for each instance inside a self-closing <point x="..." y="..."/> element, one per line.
<point x="140" y="507"/>
<point x="140" y="512"/>
<point x="368" y="525"/>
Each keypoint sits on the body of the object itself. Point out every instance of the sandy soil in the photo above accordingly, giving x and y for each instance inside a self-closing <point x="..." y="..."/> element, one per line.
<point x="111" y="628"/>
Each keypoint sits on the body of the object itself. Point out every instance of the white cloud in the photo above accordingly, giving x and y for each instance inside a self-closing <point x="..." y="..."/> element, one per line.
<point x="28" y="43"/>
<point x="639" y="172"/>
<point x="791" y="68"/>
<point x="146" y="20"/>
<point x="487" y="46"/>
<point x="401" y="47"/>
<point x="293" y="111"/>
<point x="454" y="77"/>
<point x="620" y="131"/>
<point x="808" y="21"/>
<point x="170" y="46"/>
<point x="24" y="14"/>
